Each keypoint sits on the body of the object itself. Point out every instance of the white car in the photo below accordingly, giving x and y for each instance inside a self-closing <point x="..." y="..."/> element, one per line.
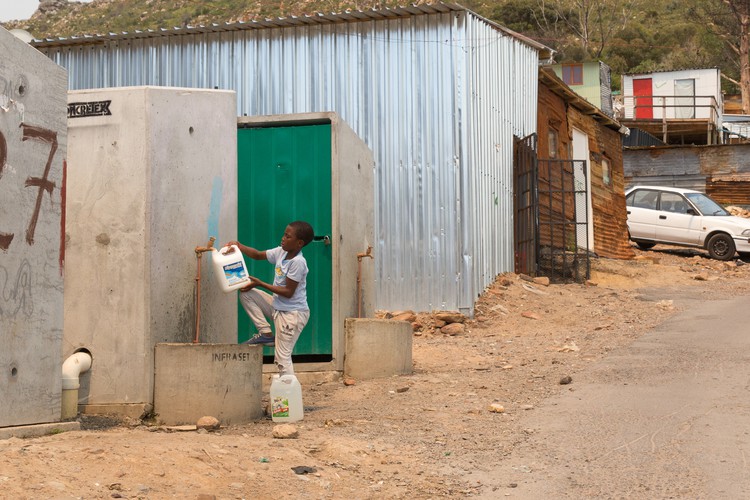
<point x="685" y="217"/>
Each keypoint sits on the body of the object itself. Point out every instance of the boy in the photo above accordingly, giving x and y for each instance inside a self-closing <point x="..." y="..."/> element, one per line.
<point x="288" y="305"/>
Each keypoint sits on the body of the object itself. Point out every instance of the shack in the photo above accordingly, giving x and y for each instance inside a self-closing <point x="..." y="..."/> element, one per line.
<point x="436" y="92"/>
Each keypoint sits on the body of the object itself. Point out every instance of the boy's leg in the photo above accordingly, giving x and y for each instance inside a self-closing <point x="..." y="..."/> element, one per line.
<point x="257" y="304"/>
<point x="289" y="325"/>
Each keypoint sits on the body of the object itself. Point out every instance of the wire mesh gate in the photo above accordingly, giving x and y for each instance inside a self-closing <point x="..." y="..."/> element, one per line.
<point x="563" y="221"/>
<point x="551" y="227"/>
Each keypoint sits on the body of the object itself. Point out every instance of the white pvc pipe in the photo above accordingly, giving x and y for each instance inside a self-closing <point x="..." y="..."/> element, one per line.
<point x="72" y="368"/>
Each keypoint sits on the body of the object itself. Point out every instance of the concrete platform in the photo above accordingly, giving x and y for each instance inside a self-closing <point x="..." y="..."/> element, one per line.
<point x="38" y="430"/>
<point x="219" y="380"/>
<point x="377" y="348"/>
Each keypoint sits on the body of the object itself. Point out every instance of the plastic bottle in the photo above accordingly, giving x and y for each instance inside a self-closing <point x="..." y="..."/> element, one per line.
<point x="230" y="268"/>
<point x="286" y="399"/>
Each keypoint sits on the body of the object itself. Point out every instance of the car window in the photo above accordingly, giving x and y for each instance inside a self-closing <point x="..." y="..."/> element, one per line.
<point x="642" y="198"/>
<point x="673" y="202"/>
<point x="706" y="205"/>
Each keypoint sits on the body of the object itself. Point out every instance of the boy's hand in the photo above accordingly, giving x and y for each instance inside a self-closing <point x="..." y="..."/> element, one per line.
<point x="254" y="282"/>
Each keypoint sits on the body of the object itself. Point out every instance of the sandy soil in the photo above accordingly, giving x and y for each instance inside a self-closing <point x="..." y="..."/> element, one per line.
<point x="431" y="434"/>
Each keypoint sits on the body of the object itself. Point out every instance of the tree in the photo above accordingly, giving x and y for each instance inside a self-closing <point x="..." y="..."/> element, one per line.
<point x="730" y="21"/>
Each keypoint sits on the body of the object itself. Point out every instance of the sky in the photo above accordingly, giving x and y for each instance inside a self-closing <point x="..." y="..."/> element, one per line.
<point x="19" y="9"/>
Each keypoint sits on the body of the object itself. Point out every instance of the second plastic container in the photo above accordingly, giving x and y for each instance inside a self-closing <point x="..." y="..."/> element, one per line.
<point x="286" y="399"/>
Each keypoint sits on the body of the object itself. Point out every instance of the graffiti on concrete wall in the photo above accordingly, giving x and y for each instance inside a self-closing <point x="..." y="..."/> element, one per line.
<point x="43" y="183"/>
<point x="16" y="284"/>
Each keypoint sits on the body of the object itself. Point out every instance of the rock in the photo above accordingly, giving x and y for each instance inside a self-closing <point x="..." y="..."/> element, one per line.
<point x="407" y="316"/>
<point x="542" y="280"/>
<point x="505" y="282"/>
<point x="507" y="367"/>
<point x="285" y="431"/>
<point x="450" y="317"/>
<point x="529" y="314"/>
<point x="700" y="277"/>
<point x="527" y="407"/>
<point x="591" y="283"/>
<point x="209" y="423"/>
<point x="439" y="323"/>
<point x="402" y="389"/>
<point x="569" y="347"/>
<point x="348" y="381"/>
<point x="566" y="380"/>
<point x="204" y="496"/>
<point x="730" y="265"/>
<point x="453" y="329"/>
<point x="496" y="408"/>
<point x="526" y="277"/>
<point x="416" y="326"/>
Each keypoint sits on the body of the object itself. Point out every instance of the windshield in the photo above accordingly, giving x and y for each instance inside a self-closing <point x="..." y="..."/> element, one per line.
<point x="706" y="205"/>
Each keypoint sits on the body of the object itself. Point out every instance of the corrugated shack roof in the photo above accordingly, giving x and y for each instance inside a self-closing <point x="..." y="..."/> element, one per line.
<point x="349" y="16"/>
<point x="559" y="87"/>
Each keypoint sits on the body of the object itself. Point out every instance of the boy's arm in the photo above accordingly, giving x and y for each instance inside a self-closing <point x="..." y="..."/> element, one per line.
<point x="249" y="251"/>
<point x="284" y="291"/>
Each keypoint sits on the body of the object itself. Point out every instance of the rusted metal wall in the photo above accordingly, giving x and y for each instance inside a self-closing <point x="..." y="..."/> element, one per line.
<point x="722" y="171"/>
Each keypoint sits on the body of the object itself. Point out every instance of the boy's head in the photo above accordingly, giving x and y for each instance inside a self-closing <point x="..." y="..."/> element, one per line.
<point x="303" y="231"/>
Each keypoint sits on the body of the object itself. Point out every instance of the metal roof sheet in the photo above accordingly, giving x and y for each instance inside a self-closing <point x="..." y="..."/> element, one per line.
<point x="347" y="16"/>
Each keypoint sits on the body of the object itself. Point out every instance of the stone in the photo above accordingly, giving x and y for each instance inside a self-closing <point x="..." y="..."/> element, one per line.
<point x="348" y="381"/>
<point x="402" y="389"/>
<point x="542" y="280"/>
<point x="529" y="315"/>
<point x="496" y="408"/>
<point x="700" y="277"/>
<point x="439" y="323"/>
<point x="209" y="423"/>
<point x="285" y="431"/>
<point x="453" y="329"/>
<point x="591" y="283"/>
<point x="526" y="277"/>
<point x="407" y="316"/>
<point x="566" y="380"/>
<point x="450" y="317"/>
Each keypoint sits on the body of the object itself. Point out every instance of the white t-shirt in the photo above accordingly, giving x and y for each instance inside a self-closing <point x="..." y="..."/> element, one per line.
<point x="296" y="269"/>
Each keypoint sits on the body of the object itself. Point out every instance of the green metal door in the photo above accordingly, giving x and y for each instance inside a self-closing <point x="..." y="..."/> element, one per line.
<point x="284" y="174"/>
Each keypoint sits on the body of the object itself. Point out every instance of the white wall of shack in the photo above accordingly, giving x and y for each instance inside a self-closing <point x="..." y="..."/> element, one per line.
<point x="708" y="101"/>
<point x="437" y="98"/>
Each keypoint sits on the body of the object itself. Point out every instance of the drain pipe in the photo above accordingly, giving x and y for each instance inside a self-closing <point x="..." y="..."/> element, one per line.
<point x="72" y="368"/>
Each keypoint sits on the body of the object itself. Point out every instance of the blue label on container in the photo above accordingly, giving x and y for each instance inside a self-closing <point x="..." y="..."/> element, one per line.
<point x="235" y="273"/>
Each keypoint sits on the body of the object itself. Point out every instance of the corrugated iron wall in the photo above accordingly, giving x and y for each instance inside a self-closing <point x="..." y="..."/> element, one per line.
<point x="437" y="97"/>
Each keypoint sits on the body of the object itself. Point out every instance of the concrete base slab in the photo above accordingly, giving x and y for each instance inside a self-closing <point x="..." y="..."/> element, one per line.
<point x="219" y="380"/>
<point x="377" y="348"/>
<point x="37" y="430"/>
<point x="134" y="411"/>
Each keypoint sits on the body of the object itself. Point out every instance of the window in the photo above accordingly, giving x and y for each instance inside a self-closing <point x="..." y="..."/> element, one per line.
<point x="673" y="202"/>
<point x="606" y="172"/>
<point x="642" y="198"/>
<point x="552" y="143"/>
<point x="572" y="74"/>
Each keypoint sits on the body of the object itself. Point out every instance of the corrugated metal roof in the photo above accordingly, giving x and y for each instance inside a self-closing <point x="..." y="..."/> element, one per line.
<point x="347" y="16"/>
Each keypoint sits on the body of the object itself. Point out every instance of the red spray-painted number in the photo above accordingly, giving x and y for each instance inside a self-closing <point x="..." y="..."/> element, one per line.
<point x="43" y="183"/>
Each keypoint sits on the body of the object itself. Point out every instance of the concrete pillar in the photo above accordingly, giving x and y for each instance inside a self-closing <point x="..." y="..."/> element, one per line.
<point x="151" y="176"/>
<point x="33" y="143"/>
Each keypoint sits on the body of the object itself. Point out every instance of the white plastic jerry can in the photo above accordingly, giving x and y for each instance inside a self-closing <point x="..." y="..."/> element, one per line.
<point x="286" y="399"/>
<point x="230" y="268"/>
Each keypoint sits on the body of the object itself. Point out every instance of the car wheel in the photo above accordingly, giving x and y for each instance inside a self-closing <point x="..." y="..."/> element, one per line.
<point x="721" y="247"/>
<point x="645" y="245"/>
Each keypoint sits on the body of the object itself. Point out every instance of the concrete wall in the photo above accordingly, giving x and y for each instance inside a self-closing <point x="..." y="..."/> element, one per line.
<point x="33" y="145"/>
<point x="148" y="180"/>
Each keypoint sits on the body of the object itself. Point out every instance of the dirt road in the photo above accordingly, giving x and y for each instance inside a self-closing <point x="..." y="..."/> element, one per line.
<point x="432" y="434"/>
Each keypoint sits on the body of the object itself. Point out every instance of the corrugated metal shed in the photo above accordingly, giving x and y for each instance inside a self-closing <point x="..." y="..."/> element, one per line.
<point x="436" y="91"/>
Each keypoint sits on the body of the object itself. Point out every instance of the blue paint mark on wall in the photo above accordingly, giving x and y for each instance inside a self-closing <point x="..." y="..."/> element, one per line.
<point x="215" y="209"/>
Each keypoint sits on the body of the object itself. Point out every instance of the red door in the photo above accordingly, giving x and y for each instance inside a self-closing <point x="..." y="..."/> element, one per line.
<point x="644" y="106"/>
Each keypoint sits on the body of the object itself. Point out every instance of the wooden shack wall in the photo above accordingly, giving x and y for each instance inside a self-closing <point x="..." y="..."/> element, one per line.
<point x="608" y="201"/>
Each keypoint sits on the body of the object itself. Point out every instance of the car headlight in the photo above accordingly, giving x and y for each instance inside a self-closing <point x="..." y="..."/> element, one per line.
<point x="746" y="232"/>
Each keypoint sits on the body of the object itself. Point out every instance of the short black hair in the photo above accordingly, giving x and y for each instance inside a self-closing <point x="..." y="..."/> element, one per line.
<point x="303" y="231"/>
